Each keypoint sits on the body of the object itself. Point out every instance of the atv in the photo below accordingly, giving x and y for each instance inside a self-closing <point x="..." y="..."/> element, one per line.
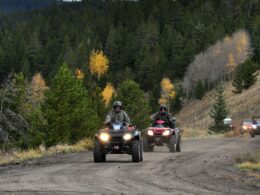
<point x="255" y="130"/>
<point x="118" y="139"/>
<point x="160" y="135"/>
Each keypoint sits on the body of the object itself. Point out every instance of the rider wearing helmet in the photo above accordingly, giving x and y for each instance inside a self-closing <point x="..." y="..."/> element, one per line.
<point x="117" y="114"/>
<point x="165" y="116"/>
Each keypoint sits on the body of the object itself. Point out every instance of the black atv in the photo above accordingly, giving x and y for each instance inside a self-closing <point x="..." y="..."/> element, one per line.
<point x="118" y="139"/>
<point x="159" y="135"/>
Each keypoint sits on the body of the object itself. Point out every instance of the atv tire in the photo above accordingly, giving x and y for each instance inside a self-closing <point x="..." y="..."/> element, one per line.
<point x="178" y="145"/>
<point x="172" y="146"/>
<point x="146" y="146"/>
<point x="252" y="134"/>
<point x="136" y="151"/>
<point x="99" y="156"/>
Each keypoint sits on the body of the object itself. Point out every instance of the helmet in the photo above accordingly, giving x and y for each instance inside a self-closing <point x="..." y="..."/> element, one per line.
<point x="163" y="106"/>
<point x="117" y="104"/>
<point x="163" y="109"/>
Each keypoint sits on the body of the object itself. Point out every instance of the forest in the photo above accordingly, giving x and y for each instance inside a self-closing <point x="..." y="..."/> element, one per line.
<point x="73" y="54"/>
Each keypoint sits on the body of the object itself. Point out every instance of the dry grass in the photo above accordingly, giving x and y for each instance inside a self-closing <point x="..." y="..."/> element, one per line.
<point x="20" y="156"/>
<point x="198" y="133"/>
<point x="249" y="161"/>
<point x="249" y="166"/>
<point x="195" y="115"/>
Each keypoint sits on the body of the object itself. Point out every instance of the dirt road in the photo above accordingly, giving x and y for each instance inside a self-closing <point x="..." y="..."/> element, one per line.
<point x="206" y="166"/>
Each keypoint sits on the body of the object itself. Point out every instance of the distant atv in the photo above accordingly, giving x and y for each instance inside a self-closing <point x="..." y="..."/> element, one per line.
<point x="159" y="135"/>
<point x="255" y="130"/>
<point x="118" y="139"/>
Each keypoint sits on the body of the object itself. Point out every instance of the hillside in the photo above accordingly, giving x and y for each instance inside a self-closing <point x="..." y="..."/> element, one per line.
<point x="195" y="115"/>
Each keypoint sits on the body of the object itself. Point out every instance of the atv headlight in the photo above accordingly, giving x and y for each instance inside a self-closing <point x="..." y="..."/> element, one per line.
<point x="127" y="136"/>
<point x="166" y="133"/>
<point x="104" y="137"/>
<point x="150" y="132"/>
<point x="244" y="127"/>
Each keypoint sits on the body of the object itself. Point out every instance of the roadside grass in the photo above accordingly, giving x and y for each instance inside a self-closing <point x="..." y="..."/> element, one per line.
<point x="249" y="161"/>
<point x="20" y="156"/>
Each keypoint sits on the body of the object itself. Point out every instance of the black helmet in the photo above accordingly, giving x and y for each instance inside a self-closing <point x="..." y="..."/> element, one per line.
<point x="117" y="104"/>
<point x="163" y="106"/>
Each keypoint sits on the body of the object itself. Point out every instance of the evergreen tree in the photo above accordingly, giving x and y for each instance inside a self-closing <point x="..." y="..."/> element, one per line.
<point x="219" y="111"/>
<point x="68" y="109"/>
<point x="135" y="103"/>
<point x="34" y="52"/>
<point x="249" y="76"/>
<point x="238" y="79"/>
<point x="245" y="76"/>
<point x="25" y="67"/>
<point x="199" y="90"/>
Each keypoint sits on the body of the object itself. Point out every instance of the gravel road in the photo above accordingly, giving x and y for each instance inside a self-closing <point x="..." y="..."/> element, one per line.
<point x="205" y="166"/>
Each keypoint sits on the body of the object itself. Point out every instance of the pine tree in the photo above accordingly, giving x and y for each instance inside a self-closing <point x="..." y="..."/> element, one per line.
<point x="219" y="111"/>
<point x="25" y="67"/>
<point x="134" y="103"/>
<point x="199" y="90"/>
<point x="68" y="109"/>
<point x="245" y="76"/>
<point x="249" y="76"/>
<point x="238" y="79"/>
<point x="34" y="51"/>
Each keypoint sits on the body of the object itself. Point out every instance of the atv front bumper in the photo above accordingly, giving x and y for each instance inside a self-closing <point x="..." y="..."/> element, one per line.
<point x="158" y="140"/>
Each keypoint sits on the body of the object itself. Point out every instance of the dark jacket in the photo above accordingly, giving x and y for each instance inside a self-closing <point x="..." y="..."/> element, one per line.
<point x="165" y="117"/>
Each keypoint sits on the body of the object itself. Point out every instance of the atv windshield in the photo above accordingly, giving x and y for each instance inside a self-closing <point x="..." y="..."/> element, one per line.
<point x="117" y="126"/>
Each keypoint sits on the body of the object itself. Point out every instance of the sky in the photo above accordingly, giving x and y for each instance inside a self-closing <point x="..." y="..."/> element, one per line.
<point x="71" y="0"/>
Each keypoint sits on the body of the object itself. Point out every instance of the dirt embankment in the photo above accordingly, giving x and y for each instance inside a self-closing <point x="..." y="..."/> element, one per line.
<point x="195" y="115"/>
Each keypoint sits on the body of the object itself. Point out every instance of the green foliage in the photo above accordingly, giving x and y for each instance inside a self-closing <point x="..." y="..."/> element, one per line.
<point x="199" y="90"/>
<point x="255" y="34"/>
<point x="238" y="79"/>
<point x="154" y="40"/>
<point x="249" y="76"/>
<point x="245" y="76"/>
<point x="68" y="109"/>
<point x="219" y="111"/>
<point x="144" y="41"/>
<point x="134" y="103"/>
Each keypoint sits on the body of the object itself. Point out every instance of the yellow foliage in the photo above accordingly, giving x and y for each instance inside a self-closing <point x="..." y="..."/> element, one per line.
<point x="99" y="63"/>
<point x="79" y="74"/>
<point x="162" y="101"/>
<point x="107" y="93"/>
<point x="167" y="85"/>
<point x="231" y="62"/>
<point x="172" y="94"/>
<point x="38" y="87"/>
<point x="227" y="40"/>
<point x="242" y="43"/>
<point x="168" y="91"/>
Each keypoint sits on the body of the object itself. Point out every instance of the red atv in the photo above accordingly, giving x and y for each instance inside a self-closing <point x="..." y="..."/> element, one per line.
<point x="160" y="135"/>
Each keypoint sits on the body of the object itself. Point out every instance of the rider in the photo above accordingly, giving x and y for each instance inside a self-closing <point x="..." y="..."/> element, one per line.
<point x="165" y="116"/>
<point x="117" y="114"/>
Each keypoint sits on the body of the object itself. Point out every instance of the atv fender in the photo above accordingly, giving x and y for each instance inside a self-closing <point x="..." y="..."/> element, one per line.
<point x="137" y="135"/>
<point x="176" y="133"/>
